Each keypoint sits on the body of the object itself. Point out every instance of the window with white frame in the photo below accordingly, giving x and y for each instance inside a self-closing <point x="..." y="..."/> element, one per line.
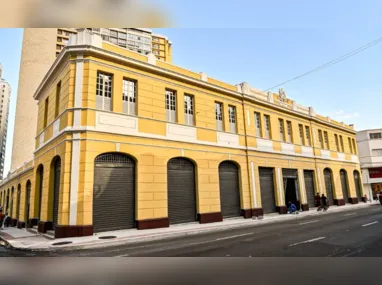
<point x="301" y="132"/>
<point x="326" y="140"/>
<point x="375" y="136"/>
<point x="219" y="116"/>
<point x="129" y="94"/>
<point x="377" y="152"/>
<point x="337" y="142"/>
<point x="342" y="144"/>
<point x="189" y="110"/>
<point x="350" y="145"/>
<point x="171" y="105"/>
<point x="267" y="126"/>
<point x="258" y="124"/>
<point x="232" y="118"/>
<point x="289" y="131"/>
<point x="320" y="139"/>
<point x="104" y="91"/>
<point x="307" y="135"/>
<point x="354" y="146"/>
<point x="281" y="128"/>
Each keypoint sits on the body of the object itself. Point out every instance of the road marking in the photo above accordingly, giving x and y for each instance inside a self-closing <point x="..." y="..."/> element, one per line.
<point x="351" y="214"/>
<point x="234" y="236"/>
<point x="369" y="224"/>
<point x="307" y="241"/>
<point x="310" y="222"/>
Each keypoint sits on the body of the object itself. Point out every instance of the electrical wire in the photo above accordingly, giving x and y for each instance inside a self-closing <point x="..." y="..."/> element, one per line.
<point x="330" y="63"/>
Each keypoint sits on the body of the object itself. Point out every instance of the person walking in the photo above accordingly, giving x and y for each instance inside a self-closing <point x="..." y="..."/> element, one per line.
<point x="317" y="200"/>
<point x="324" y="203"/>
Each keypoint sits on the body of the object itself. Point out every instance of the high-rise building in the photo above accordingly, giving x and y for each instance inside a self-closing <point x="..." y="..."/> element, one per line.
<point x="5" y="95"/>
<point x="39" y="50"/>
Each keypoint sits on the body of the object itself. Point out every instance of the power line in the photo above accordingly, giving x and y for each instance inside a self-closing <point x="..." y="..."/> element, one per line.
<point x="330" y="63"/>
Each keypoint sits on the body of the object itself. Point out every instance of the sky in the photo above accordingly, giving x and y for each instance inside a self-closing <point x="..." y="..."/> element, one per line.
<point x="265" y="44"/>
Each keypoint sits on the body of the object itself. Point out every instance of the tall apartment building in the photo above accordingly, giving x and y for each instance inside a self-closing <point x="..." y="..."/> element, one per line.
<point x="39" y="50"/>
<point x="5" y="95"/>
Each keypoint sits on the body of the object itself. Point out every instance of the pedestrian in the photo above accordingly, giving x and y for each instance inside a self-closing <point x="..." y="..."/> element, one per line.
<point x="317" y="200"/>
<point x="324" y="203"/>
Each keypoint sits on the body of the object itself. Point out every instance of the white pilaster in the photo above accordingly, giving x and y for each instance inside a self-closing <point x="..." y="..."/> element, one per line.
<point x="279" y="177"/>
<point x="74" y="179"/>
<point x="253" y="185"/>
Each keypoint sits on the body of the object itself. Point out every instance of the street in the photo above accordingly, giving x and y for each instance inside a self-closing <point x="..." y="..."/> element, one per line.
<point x="349" y="233"/>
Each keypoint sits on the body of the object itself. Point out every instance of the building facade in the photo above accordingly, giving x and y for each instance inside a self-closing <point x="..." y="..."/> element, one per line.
<point x="39" y="50"/>
<point x="126" y="141"/>
<point x="370" y="155"/>
<point x="5" y="96"/>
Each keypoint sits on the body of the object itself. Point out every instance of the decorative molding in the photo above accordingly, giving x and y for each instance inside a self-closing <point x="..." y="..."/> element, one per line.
<point x="42" y="138"/>
<point x="325" y="154"/>
<point x="56" y="127"/>
<point x="307" y="151"/>
<point x="287" y="148"/>
<point x="116" y="123"/>
<point x="226" y="139"/>
<point x="203" y="76"/>
<point x="152" y="59"/>
<point x="264" y="145"/>
<point x="181" y="132"/>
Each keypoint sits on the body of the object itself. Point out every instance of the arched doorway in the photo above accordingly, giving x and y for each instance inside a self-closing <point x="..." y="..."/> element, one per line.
<point x="344" y="185"/>
<point x="11" y="200"/>
<point x="181" y="191"/>
<point x="18" y="202"/>
<point x="357" y="182"/>
<point x="40" y="183"/>
<point x="27" y="200"/>
<point x="328" y="177"/>
<point x="229" y="189"/>
<point x="114" y="192"/>
<point x="56" y="169"/>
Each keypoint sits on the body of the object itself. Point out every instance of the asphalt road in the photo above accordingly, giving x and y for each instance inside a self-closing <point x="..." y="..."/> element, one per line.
<point x="349" y="233"/>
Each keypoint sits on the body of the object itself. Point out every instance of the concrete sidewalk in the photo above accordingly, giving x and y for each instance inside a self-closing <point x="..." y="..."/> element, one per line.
<point x="21" y="239"/>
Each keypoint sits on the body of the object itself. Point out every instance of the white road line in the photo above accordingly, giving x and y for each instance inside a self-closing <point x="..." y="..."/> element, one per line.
<point x="235" y="236"/>
<point x="369" y="224"/>
<point x="310" y="222"/>
<point x="307" y="241"/>
<point x="351" y="214"/>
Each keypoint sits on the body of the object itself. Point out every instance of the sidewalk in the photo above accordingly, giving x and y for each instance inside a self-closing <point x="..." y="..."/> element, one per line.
<point x="21" y="239"/>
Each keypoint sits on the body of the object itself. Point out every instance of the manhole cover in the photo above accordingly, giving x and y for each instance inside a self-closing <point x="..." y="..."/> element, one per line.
<point x="107" y="237"/>
<point x="62" y="243"/>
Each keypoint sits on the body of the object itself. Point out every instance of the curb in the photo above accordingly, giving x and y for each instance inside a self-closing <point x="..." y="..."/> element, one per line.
<point x="165" y="236"/>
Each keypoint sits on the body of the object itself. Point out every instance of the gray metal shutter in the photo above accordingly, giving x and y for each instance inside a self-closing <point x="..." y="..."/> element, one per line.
<point x="229" y="189"/>
<point x="27" y="201"/>
<point x="7" y="202"/>
<point x="357" y="182"/>
<point x="329" y="186"/>
<point x="41" y="172"/>
<point x="290" y="173"/>
<point x="18" y="202"/>
<point x="267" y="189"/>
<point x="181" y="191"/>
<point x="114" y="193"/>
<point x="309" y="187"/>
<point x="56" y="191"/>
<point x="344" y="186"/>
<point x="11" y="202"/>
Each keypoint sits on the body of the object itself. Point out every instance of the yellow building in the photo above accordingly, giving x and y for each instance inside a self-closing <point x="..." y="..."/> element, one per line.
<point x="126" y="141"/>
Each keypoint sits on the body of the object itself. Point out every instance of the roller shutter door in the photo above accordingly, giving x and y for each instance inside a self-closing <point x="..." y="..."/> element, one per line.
<point x="344" y="186"/>
<point x="56" y="191"/>
<point x="181" y="191"/>
<point x="267" y="190"/>
<point x="357" y="182"/>
<point x="289" y="173"/>
<point x="329" y="186"/>
<point x="40" y="191"/>
<point x="27" y="201"/>
<point x="18" y="202"/>
<point x="229" y="189"/>
<point x="309" y="187"/>
<point x="114" y="193"/>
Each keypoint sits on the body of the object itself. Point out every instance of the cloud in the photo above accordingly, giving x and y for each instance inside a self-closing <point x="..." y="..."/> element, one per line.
<point x="342" y="115"/>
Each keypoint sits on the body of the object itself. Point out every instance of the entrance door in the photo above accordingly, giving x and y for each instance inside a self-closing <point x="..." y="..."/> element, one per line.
<point x="357" y="182"/>
<point x="291" y="187"/>
<point x="309" y="187"/>
<point x="56" y="190"/>
<point x="114" y="193"/>
<point x="181" y="191"/>
<point x="344" y="185"/>
<point x="229" y="189"/>
<point x="27" y="201"/>
<point x="267" y="190"/>
<point x="41" y="175"/>
<point x="329" y="186"/>
<point x="18" y="202"/>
